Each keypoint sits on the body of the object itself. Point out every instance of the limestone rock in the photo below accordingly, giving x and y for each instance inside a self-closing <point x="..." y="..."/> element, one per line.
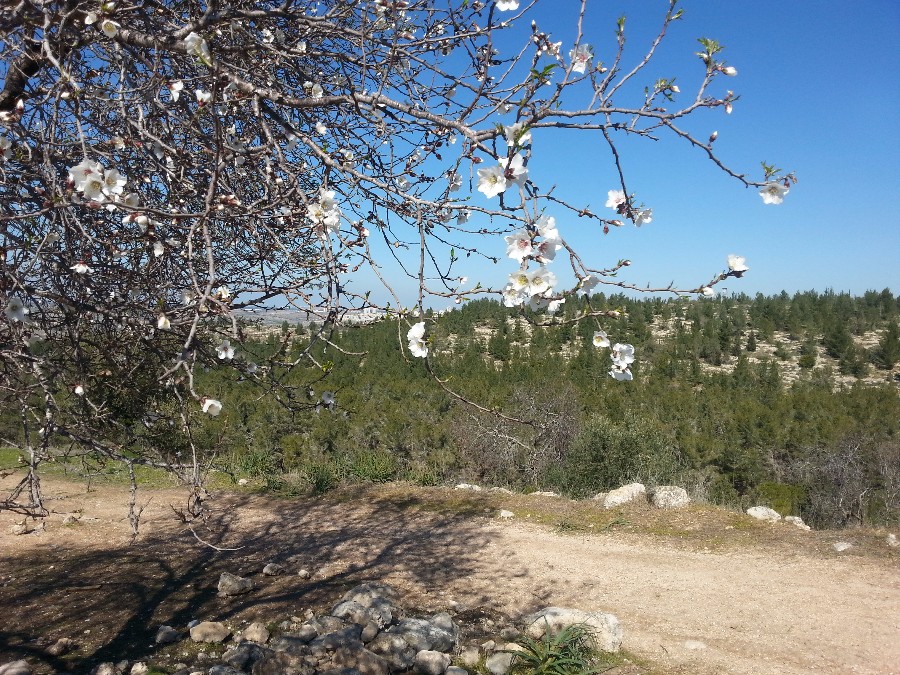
<point x="139" y="668"/>
<point x="544" y="493"/>
<point x="304" y="574"/>
<point x="20" y="667"/>
<point x="797" y="521"/>
<point x="107" y="669"/>
<point x="456" y="670"/>
<point x="623" y="495"/>
<point x="429" y="662"/>
<point x="892" y="541"/>
<point x="354" y="655"/>
<point x="273" y="570"/>
<point x="369" y="631"/>
<point x="230" y="584"/>
<point x="499" y="663"/>
<point x="468" y="486"/>
<point x="61" y="646"/>
<point x="225" y="670"/>
<point x="506" y="515"/>
<point x="669" y="497"/>
<point x="282" y="663"/>
<point x="470" y="656"/>
<point x="600" y="496"/>
<point x="421" y="634"/>
<point x="841" y="546"/>
<point x="256" y="632"/>
<point x="245" y="655"/>
<point x="395" y="649"/>
<point x="764" y="513"/>
<point x="606" y="632"/>
<point x="209" y="631"/>
<point x="166" y="635"/>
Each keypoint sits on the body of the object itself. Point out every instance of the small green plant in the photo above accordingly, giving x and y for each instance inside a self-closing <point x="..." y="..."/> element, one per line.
<point x="568" y="652"/>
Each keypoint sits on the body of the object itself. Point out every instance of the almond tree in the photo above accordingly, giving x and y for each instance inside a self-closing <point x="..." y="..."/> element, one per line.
<point x="168" y="164"/>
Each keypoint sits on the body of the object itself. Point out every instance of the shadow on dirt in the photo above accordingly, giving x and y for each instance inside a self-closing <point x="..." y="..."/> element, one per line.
<point x="112" y="599"/>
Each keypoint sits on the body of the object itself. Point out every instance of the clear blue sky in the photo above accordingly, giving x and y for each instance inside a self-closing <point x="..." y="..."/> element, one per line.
<point x="819" y="96"/>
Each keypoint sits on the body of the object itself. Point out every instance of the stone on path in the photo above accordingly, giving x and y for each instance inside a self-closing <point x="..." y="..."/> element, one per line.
<point x="764" y="513"/>
<point x="209" y="631"/>
<point x="669" y="497"/>
<point x="606" y="632"/>
<point x="623" y="495"/>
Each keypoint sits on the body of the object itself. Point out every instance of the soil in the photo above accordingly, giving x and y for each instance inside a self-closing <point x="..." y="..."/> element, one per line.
<point x="700" y="590"/>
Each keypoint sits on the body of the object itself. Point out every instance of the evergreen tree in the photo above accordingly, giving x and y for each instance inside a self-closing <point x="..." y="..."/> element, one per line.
<point x="888" y="352"/>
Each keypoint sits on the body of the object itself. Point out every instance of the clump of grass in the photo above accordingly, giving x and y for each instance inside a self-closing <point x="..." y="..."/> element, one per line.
<point x="568" y="652"/>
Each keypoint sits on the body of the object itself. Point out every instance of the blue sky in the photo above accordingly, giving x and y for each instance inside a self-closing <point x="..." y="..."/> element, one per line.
<point x="819" y="97"/>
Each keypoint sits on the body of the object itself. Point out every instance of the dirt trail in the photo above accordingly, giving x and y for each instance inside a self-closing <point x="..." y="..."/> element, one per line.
<point x="791" y="607"/>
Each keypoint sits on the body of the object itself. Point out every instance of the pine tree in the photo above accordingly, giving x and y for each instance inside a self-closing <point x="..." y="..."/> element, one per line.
<point x="888" y="352"/>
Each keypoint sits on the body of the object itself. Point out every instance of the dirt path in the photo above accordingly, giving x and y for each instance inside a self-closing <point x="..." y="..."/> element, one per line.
<point x="763" y="599"/>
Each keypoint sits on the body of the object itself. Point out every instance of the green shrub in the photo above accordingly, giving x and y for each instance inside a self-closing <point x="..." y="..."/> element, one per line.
<point x="607" y="454"/>
<point x="784" y="498"/>
<point x="377" y="466"/>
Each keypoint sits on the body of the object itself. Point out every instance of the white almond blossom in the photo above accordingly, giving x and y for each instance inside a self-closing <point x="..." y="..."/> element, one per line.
<point x="516" y="134"/>
<point x="515" y="170"/>
<point x="113" y="183"/>
<point x="455" y="181"/>
<point x="546" y="226"/>
<point x="643" y="216"/>
<point x="81" y="267"/>
<point x="737" y="265"/>
<point x="203" y="97"/>
<point x="731" y="71"/>
<point x="163" y="323"/>
<point x="622" y="356"/>
<point x="196" y="45"/>
<point x="78" y="390"/>
<point x="615" y="199"/>
<point x="15" y="309"/>
<point x="773" y="192"/>
<point x="581" y="57"/>
<point x="321" y="128"/>
<point x="492" y="181"/>
<point x="109" y="28"/>
<point x="707" y="292"/>
<point x="601" y="339"/>
<point x="211" y="406"/>
<point x="175" y="88"/>
<point x="225" y="351"/>
<point x="416" y="336"/>
<point x="317" y="91"/>
<point x="587" y="284"/>
<point x="540" y="281"/>
<point x="518" y="245"/>
<point x="325" y="211"/>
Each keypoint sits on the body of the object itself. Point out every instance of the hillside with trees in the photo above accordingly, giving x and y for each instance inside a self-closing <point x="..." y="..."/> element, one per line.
<point x="786" y="400"/>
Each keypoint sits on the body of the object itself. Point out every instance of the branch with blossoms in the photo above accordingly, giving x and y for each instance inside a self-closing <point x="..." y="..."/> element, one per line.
<point x="167" y="172"/>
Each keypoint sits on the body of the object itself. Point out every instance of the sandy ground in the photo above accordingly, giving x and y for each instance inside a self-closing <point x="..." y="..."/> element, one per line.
<point x="716" y="598"/>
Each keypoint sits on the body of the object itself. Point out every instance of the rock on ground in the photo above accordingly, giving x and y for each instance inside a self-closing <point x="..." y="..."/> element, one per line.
<point x="429" y="662"/>
<point x="16" y="668"/>
<point x="669" y="497"/>
<point x="230" y="584"/>
<point x="797" y="521"/>
<point x="606" y="632"/>
<point x="624" y="494"/>
<point x="842" y="546"/>
<point x="209" y="631"/>
<point x="764" y="513"/>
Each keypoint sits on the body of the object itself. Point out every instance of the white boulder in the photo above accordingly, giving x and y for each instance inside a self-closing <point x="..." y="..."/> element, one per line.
<point x="606" y="632"/>
<point x="624" y="494"/>
<point x="669" y="497"/>
<point x="764" y="513"/>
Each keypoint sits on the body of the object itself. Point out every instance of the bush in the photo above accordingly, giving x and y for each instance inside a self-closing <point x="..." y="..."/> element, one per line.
<point x="607" y="454"/>
<point x="784" y="498"/>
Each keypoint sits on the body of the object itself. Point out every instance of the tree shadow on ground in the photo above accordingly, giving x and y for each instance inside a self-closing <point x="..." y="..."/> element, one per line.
<point x="111" y="598"/>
